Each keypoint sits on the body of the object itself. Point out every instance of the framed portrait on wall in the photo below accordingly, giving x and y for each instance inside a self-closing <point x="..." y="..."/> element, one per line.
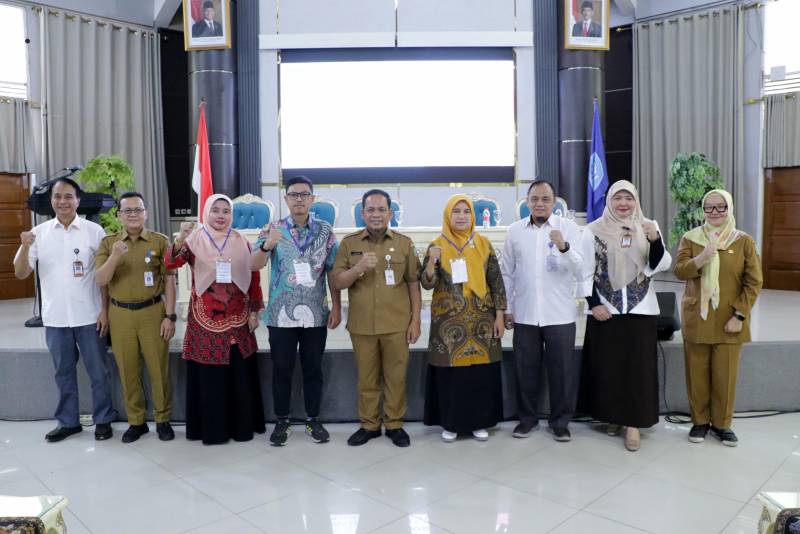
<point x="586" y="24"/>
<point x="206" y="24"/>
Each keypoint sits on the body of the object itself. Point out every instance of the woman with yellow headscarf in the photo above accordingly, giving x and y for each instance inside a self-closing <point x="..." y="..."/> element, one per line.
<point x="463" y="392"/>
<point x="723" y="278"/>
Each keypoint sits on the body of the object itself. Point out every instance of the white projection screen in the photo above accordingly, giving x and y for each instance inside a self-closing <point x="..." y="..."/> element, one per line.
<point x="398" y="115"/>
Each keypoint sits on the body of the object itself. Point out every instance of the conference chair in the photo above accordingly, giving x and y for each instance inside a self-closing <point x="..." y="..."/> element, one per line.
<point x="252" y="212"/>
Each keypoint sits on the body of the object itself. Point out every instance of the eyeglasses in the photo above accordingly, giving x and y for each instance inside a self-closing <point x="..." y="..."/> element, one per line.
<point x="304" y="195"/>
<point x="132" y="211"/>
<point x="718" y="209"/>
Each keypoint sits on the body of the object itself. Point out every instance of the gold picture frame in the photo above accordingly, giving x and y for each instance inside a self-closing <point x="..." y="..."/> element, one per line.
<point x="203" y="33"/>
<point x="581" y="33"/>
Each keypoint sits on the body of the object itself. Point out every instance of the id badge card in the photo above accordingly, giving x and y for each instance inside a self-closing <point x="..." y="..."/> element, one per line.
<point x="224" y="272"/>
<point x="77" y="269"/>
<point x="148" y="279"/>
<point x="458" y="268"/>
<point x="626" y="241"/>
<point x="551" y="263"/>
<point x="302" y="273"/>
<point x="389" y="277"/>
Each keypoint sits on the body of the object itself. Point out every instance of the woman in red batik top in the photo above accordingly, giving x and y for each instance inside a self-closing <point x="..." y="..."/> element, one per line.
<point x="223" y="392"/>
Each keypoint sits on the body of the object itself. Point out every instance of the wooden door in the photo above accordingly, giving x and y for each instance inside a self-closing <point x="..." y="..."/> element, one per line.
<point x="15" y="218"/>
<point x="781" y="258"/>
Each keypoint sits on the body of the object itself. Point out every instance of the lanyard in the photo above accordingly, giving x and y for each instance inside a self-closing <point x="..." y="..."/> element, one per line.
<point x="459" y="249"/>
<point x="219" y="249"/>
<point x="309" y="236"/>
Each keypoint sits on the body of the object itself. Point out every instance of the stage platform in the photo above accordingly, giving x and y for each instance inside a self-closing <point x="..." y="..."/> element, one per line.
<point x="767" y="379"/>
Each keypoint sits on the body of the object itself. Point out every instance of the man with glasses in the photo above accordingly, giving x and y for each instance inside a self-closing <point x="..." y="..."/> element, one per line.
<point x="142" y="314"/>
<point x="380" y="269"/>
<point x="73" y="312"/>
<point x="539" y="269"/>
<point x="302" y="249"/>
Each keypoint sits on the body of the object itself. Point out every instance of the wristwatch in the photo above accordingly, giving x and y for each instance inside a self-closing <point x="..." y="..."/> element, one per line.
<point x="566" y="248"/>
<point x="171" y="316"/>
<point x="261" y="246"/>
<point x="739" y="316"/>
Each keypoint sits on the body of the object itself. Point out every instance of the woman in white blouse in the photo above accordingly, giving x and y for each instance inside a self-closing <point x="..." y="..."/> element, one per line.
<point x="622" y="251"/>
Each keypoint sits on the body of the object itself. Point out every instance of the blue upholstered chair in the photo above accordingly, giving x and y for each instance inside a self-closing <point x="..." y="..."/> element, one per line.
<point x="325" y="209"/>
<point x="481" y="203"/>
<point x="396" y="206"/>
<point x="560" y="208"/>
<point x="251" y="212"/>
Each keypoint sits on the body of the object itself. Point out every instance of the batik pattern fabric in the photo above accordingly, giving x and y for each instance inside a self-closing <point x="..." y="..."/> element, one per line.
<point x="291" y="303"/>
<point x="636" y="289"/>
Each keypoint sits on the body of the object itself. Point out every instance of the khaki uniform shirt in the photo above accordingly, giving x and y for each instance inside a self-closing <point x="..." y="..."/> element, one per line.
<point x="374" y="306"/>
<point x="128" y="283"/>
<point x="740" y="282"/>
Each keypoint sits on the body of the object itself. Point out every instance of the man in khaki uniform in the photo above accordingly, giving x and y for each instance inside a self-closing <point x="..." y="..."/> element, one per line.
<point x="131" y="263"/>
<point x="380" y="269"/>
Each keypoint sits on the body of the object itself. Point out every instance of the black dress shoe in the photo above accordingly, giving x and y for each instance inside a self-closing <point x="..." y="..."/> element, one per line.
<point x="165" y="432"/>
<point x="62" y="432"/>
<point x="398" y="437"/>
<point x="362" y="435"/>
<point x="134" y="432"/>
<point x="102" y="431"/>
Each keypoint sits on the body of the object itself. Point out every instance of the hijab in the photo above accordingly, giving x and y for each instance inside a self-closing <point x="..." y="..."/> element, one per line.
<point x="625" y="264"/>
<point x="209" y="245"/>
<point x="722" y="237"/>
<point x="467" y="244"/>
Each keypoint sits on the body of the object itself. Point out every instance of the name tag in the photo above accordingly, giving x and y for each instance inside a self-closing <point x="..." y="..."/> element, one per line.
<point x="458" y="268"/>
<point x="224" y="272"/>
<point x="148" y="279"/>
<point x="77" y="269"/>
<point x="626" y="241"/>
<point x="389" y="277"/>
<point x="551" y="263"/>
<point x="302" y="273"/>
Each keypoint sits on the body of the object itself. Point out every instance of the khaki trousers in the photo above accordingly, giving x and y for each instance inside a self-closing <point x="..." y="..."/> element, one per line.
<point x="136" y="334"/>
<point x="381" y="357"/>
<point x="711" y="372"/>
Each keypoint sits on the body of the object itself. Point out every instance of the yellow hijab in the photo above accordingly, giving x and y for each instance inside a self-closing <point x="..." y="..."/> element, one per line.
<point x="467" y="244"/>
<point x="722" y="236"/>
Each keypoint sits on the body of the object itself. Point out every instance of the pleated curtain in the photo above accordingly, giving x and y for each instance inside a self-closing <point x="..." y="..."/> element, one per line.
<point x="782" y="130"/>
<point x="17" y="151"/>
<point x="687" y="98"/>
<point x="103" y="96"/>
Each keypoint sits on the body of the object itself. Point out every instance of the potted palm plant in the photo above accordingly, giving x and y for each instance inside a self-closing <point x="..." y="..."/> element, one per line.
<point x="691" y="176"/>
<point x="107" y="174"/>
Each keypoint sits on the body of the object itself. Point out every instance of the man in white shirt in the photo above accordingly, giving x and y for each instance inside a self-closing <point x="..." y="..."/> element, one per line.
<point x="540" y="265"/>
<point x="74" y="316"/>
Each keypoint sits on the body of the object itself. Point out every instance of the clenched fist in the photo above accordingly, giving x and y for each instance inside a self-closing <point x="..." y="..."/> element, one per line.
<point x="186" y="229"/>
<point x="118" y="249"/>
<point x="273" y="237"/>
<point x="650" y="230"/>
<point x="368" y="262"/>
<point x="558" y="239"/>
<point x="704" y="257"/>
<point x="27" y="238"/>
<point x="435" y="253"/>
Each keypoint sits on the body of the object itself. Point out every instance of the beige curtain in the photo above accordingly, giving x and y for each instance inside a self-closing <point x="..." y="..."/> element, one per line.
<point x="17" y="149"/>
<point x="782" y="130"/>
<point x="687" y="98"/>
<point x="103" y="96"/>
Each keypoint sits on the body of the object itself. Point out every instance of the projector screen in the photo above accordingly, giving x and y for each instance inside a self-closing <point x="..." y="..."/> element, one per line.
<point x="408" y="118"/>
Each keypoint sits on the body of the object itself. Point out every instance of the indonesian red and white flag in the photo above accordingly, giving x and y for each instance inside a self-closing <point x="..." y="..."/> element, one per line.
<point x="201" y="177"/>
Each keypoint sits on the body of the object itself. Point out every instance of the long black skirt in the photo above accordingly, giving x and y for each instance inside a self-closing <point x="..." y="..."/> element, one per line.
<point x="463" y="399"/>
<point x="619" y="378"/>
<point x="223" y="402"/>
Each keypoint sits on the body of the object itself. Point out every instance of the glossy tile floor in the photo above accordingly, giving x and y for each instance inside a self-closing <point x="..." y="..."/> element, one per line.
<point x="501" y="486"/>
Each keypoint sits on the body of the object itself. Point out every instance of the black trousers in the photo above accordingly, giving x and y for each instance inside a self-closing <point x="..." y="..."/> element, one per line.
<point x="554" y="348"/>
<point x="283" y="345"/>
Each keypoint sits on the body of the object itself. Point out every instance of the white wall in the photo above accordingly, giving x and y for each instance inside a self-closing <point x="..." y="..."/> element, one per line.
<point x="373" y="23"/>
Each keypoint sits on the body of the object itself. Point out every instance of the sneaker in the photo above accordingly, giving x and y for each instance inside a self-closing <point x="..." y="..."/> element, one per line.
<point x="613" y="430"/>
<point x="698" y="433"/>
<point x="481" y="434"/>
<point x="725" y="435"/>
<point x="524" y="429"/>
<point x="281" y="433"/>
<point x="448" y="437"/>
<point x="317" y="432"/>
<point x="561" y="434"/>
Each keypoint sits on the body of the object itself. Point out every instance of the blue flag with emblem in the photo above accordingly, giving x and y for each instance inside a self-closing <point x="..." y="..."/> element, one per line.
<point x="597" y="185"/>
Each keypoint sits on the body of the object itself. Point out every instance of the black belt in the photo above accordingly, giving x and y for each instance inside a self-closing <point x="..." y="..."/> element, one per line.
<point x="136" y="305"/>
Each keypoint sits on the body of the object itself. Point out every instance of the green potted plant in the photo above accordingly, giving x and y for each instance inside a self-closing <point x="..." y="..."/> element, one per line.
<point x="107" y="174"/>
<point x="691" y="176"/>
